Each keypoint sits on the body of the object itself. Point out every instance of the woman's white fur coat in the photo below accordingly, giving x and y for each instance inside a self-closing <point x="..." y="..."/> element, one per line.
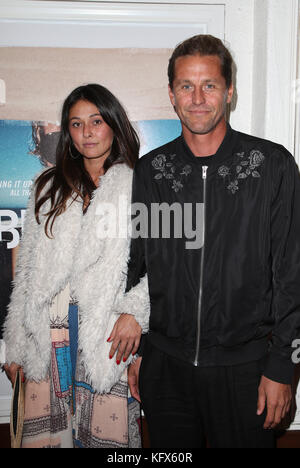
<point x="96" y="269"/>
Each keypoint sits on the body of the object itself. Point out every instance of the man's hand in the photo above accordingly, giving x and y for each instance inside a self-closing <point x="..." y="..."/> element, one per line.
<point x="125" y="337"/>
<point x="133" y="379"/>
<point x="277" y="397"/>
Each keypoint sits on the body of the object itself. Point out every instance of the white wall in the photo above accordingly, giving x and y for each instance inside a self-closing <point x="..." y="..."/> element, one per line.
<point x="262" y="35"/>
<point x="275" y="70"/>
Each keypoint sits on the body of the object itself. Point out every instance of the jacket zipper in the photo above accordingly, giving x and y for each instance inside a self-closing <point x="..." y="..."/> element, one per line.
<point x="204" y="177"/>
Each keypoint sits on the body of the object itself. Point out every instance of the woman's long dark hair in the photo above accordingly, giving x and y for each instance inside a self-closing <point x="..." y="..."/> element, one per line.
<point x="69" y="176"/>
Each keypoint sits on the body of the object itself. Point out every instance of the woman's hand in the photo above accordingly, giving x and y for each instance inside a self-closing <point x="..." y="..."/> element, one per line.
<point x="125" y="337"/>
<point x="11" y="372"/>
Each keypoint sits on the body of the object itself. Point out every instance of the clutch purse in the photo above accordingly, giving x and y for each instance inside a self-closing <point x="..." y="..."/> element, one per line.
<point x="17" y="412"/>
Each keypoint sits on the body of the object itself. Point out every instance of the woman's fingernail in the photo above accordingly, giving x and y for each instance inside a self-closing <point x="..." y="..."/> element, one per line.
<point x="124" y="359"/>
<point x="110" y="357"/>
<point x="118" y="362"/>
<point x="108" y="340"/>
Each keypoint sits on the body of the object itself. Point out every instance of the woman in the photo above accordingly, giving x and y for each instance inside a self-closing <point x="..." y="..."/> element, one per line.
<point x="70" y="327"/>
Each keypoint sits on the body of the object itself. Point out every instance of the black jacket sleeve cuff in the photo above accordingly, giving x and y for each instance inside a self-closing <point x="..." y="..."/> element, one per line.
<point x="279" y="369"/>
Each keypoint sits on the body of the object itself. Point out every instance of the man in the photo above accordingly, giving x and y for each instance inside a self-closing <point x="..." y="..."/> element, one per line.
<point x="216" y="364"/>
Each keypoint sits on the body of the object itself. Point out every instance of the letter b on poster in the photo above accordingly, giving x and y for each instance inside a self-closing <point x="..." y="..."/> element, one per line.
<point x="8" y="225"/>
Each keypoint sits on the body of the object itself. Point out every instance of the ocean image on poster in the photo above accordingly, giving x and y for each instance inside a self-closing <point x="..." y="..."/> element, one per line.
<point x="18" y="167"/>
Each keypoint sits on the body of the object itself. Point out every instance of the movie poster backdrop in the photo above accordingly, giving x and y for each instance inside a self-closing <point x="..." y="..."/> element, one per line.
<point x="26" y="147"/>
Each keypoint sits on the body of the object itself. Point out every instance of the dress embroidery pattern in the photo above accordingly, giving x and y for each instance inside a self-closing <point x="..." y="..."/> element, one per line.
<point x="168" y="170"/>
<point x="245" y="167"/>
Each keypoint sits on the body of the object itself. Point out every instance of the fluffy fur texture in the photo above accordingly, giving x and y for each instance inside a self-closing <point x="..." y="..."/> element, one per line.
<point x="96" y="269"/>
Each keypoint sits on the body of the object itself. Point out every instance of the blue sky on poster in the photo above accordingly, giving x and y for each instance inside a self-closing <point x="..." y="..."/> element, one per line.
<point x="17" y="166"/>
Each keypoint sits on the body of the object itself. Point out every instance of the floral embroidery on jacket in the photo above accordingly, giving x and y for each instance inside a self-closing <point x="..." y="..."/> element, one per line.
<point x="166" y="169"/>
<point x="245" y="167"/>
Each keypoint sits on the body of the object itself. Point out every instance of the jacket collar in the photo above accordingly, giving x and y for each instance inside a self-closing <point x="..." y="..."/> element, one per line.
<point x="223" y="153"/>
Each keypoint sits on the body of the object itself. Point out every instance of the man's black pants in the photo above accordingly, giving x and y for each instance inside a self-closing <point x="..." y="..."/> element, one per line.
<point x="185" y="406"/>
